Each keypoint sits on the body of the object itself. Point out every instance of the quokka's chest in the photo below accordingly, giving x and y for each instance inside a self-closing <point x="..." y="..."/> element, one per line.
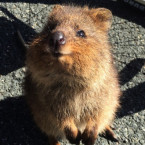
<point x="77" y="104"/>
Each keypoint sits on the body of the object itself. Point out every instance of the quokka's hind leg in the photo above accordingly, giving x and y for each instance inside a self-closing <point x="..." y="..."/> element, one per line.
<point x="109" y="134"/>
<point x="90" y="133"/>
<point x="53" y="141"/>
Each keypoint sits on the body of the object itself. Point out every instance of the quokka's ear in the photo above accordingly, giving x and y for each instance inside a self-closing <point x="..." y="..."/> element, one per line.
<point x="57" y="8"/>
<point x="102" y="17"/>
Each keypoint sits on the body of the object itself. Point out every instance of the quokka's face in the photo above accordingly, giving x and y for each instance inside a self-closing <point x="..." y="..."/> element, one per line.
<point x="73" y="38"/>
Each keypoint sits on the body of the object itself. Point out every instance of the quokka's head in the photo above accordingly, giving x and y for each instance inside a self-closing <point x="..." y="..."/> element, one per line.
<point x="74" y="41"/>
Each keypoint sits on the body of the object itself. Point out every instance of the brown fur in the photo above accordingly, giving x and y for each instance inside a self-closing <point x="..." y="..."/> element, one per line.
<point x="80" y="88"/>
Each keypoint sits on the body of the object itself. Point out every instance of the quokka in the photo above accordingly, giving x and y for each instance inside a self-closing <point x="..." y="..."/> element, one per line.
<point x="71" y="83"/>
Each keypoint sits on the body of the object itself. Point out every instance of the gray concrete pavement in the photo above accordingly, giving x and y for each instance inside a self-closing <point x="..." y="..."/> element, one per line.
<point x="128" y="40"/>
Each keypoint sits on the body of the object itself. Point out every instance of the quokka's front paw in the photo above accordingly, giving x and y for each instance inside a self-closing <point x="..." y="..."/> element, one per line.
<point x="74" y="136"/>
<point x="89" y="136"/>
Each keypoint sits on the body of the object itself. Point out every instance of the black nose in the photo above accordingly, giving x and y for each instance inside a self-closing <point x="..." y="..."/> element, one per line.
<point x="58" y="39"/>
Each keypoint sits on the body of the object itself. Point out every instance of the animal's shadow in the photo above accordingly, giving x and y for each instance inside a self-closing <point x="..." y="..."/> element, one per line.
<point x="132" y="99"/>
<point x="16" y="125"/>
<point x="12" y="54"/>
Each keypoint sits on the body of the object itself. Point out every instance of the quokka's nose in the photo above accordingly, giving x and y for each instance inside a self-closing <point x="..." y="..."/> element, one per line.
<point x="58" y="39"/>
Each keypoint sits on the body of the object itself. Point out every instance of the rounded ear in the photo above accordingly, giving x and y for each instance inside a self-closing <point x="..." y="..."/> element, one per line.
<point x="57" y="7"/>
<point x="102" y="17"/>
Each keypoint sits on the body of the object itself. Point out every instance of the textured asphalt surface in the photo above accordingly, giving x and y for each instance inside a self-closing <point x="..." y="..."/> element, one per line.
<point x="128" y="41"/>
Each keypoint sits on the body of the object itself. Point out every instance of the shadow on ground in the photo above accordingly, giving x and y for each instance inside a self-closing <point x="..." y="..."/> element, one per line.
<point x="131" y="69"/>
<point x="12" y="54"/>
<point x="16" y="125"/>
<point x="132" y="100"/>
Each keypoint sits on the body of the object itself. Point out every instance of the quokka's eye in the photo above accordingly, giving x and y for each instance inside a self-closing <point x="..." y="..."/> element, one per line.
<point x="81" y="33"/>
<point x="51" y="26"/>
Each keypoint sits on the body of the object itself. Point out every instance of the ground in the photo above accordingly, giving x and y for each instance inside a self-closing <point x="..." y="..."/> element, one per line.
<point x="128" y="41"/>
